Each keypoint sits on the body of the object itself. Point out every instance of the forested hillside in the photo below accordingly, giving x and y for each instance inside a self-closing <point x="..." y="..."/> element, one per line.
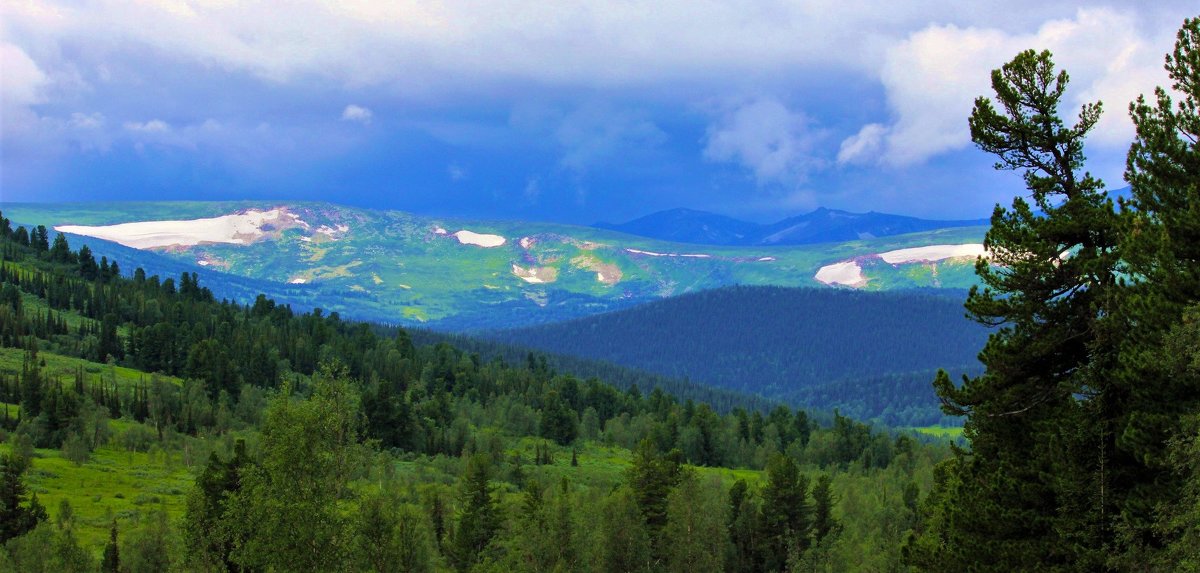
<point x="150" y="427"/>
<point x="873" y="354"/>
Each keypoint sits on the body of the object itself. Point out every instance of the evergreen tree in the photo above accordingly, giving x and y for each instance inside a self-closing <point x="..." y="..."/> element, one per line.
<point x="479" y="517"/>
<point x="111" y="562"/>
<point x="17" y="515"/>
<point x="823" y="523"/>
<point x="651" y="477"/>
<point x="39" y="239"/>
<point x="559" y="422"/>
<point x="88" y="269"/>
<point x="743" y="529"/>
<point x="1162" y="247"/>
<point x="1026" y="493"/>
<point x="60" y="251"/>
<point x="786" y="516"/>
<point x="210" y="536"/>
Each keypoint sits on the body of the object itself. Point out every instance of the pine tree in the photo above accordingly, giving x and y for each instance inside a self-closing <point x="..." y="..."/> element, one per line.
<point x="60" y="251"/>
<point x="651" y="476"/>
<point x="1162" y="247"/>
<point x="1029" y="493"/>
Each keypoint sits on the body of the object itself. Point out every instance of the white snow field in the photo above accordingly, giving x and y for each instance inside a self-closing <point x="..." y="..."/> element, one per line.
<point x="933" y="253"/>
<point x="846" y="273"/>
<point x="479" y="239"/>
<point x="850" y="274"/>
<point x="239" y="228"/>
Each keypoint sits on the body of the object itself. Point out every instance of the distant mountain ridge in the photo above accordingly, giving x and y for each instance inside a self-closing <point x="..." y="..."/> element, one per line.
<point x="453" y="274"/>
<point x="820" y="226"/>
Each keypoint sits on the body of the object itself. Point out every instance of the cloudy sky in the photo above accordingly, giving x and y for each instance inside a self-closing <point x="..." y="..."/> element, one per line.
<point x="572" y="111"/>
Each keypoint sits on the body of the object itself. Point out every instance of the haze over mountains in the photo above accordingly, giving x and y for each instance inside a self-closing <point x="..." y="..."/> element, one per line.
<point x="820" y="226"/>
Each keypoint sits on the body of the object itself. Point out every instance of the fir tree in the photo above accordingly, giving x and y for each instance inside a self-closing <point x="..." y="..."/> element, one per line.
<point x="111" y="562"/>
<point x="479" y="517"/>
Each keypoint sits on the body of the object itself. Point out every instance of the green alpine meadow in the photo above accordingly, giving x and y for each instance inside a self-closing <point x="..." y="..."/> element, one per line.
<point x="395" y="267"/>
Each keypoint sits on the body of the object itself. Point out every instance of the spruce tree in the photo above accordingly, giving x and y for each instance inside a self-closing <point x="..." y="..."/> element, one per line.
<point x="17" y="515"/>
<point x="111" y="562"/>
<point x="479" y="517"/>
<point x="823" y="522"/>
<point x="786" y="518"/>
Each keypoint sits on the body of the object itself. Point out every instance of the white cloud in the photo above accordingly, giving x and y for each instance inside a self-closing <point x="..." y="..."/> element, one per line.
<point x="23" y="80"/>
<point x="864" y="146"/>
<point x="778" y="145"/>
<point x="456" y="172"/>
<point x="152" y="126"/>
<point x="87" y="120"/>
<point x="419" y="45"/>
<point x="357" y="113"/>
<point x="932" y="78"/>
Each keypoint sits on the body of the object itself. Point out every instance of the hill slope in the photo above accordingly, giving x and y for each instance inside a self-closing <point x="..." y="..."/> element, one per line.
<point x="450" y="274"/>
<point x="869" y="353"/>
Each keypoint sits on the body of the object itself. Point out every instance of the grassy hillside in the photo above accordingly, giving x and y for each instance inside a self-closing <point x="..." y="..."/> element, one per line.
<point x="406" y="269"/>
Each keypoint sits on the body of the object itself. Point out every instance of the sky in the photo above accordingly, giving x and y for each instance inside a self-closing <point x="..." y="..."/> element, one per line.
<point x="574" y="111"/>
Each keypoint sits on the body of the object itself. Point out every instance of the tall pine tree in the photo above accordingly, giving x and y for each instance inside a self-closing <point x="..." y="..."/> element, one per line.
<point x="1029" y="494"/>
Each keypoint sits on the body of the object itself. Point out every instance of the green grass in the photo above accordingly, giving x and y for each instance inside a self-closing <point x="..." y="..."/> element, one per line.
<point x="113" y="484"/>
<point x="34" y="306"/>
<point x="947" y="432"/>
<point x="63" y="368"/>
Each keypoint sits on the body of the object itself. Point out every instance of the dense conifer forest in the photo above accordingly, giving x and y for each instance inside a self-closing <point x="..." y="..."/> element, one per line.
<point x="871" y="354"/>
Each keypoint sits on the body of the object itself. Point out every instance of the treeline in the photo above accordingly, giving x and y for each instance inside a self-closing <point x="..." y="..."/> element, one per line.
<point x="328" y="406"/>
<point x="793" y="344"/>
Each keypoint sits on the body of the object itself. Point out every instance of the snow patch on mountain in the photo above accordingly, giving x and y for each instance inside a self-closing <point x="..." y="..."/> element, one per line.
<point x="846" y="273"/>
<point x="479" y="239"/>
<point x="933" y="253"/>
<point x="239" y="228"/>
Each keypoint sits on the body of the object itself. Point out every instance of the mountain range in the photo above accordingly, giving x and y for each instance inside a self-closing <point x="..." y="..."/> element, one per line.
<point x="820" y="226"/>
<point x="453" y="274"/>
